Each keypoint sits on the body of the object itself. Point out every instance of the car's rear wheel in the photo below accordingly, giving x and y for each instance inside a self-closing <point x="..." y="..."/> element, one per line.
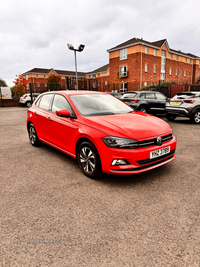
<point x="33" y="135"/>
<point x="143" y="109"/>
<point x="28" y="104"/>
<point x="89" y="160"/>
<point x="170" y="117"/>
<point x="195" y="118"/>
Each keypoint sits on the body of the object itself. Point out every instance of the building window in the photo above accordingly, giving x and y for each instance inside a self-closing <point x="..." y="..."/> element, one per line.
<point x="189" y="74"/>
<point x="176" y="58"/>
<point x="89" y="76"/>
<point x="123" y="54"/>
<point x="145" y="83"/>
<point x="154" y="69"/>
<point x="185" y="60"/>
<point x="37" y="84"/>
<point x="170" y="71"/>
<point x="106" y="83"/>
<point x="146" y="68"/>
<point x="98" y="75"/>
<point x="37" y="75"/>
<point x="93" y="76"/>
<point x="176" y="72"/>
<point x="123" y="71"/>
<point x="98" y="84"/>
<point x="105" y="73"/>
<point x="123" y="87"/>
<point x="155" y="52"/>
<point x="185" y="73"/>
<point x="44" y="76"/>
<point x="146" y="50"/>
<point x="199" y="64"/>
<point x="45" y="85"/>
<point x="163" y="62"/>
<point x="190" y="61"/>
<point x="170" y="56"/>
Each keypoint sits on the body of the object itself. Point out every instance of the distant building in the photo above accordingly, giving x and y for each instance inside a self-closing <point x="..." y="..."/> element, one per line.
<point x="138" y="63"/>
<point x="132" y="65"/>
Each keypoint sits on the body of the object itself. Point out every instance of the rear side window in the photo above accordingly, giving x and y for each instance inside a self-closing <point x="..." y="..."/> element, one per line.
<point x="150" y="96"/>
<point x="60" y="103"/>
<point x="44" y="102"/>
<point x="128" y="96"/>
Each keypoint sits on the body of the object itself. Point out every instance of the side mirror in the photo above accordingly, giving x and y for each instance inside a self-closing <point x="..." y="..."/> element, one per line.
<point x="63" y="113"/>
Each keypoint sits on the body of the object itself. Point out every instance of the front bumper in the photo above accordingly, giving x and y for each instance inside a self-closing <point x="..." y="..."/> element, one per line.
<point x="139" y="159"/>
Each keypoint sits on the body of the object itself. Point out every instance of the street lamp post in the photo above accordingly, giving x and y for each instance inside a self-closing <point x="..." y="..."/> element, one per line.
<point x="80" y="49"/>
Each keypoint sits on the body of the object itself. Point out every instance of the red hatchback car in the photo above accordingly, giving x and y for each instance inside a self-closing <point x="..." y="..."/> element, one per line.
<point x="101" y="132"/>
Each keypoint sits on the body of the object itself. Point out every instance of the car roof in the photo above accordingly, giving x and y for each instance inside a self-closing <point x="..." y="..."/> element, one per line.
<point x="74" y="92"/>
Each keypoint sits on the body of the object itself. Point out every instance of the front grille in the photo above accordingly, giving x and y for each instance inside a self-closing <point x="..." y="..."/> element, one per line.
<point x="153" y="142"/>
<point x="148" y="161"/>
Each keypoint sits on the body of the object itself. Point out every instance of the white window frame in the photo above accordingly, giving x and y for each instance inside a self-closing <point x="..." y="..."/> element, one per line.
<point x="146" y="50"/>
<point x="37" y="76"/>
<point x="122" y="88"/>
<point x="170" y="71"/>
<point x="145" y="83"/>
<point x="155" y="52"/>
<point x="123" y="54"/>
<point x="154" y="68"/>
<point x="189" y="74"/>
<point x="123" y="71"/>
<point x="176" y="72"/>
<point x="106" y="83"/>
<point x="38" y="84"/>
<point x="93" y="76"/>
<point x="177" y="58"/>
<point x="185" y="60"/>
<point x="146" y="68"/>
<point x="184" y="73"/>
<point x="170" y="56"/>
<point x="45" y="85"/>
<point x="44" y="76"/>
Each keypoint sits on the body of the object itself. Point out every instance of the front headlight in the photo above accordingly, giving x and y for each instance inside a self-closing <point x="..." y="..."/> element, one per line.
<point x="117" y="142"/>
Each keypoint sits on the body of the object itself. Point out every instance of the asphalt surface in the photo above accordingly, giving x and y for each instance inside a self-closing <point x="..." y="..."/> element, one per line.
<point x="53" y="215"/>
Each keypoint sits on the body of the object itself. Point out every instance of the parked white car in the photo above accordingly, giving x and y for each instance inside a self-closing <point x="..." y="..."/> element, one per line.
<point x="25" y="100"/>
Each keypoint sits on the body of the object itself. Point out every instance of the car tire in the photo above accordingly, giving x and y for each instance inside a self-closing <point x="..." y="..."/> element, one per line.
<point x="33" y="135"/>
<point x="28" y="104"/>
<point x="143" y="109"/>
<point x="89" y="160"/>
<point x="170" y="117"/>
<point x="195" y="118"/>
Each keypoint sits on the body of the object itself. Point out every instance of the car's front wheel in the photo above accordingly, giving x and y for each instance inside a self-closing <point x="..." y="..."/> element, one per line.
<point x="170" y="117"/>
<point x="89" y="160"/>
<point x="143" y="109"/>
<point x="195" y="118"/>
<point x="33" y="135"/>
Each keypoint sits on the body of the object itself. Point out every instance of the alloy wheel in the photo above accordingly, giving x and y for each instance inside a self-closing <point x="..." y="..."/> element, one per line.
<point x="87" y="160"/>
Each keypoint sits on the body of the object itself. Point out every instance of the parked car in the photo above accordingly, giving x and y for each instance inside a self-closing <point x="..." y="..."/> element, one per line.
<point x="25" y="100"/>
<point x="146" y="101"/>
<point x="185" y="104"/>
<point x="117" y="95"/>
<point x="101" y="132"/>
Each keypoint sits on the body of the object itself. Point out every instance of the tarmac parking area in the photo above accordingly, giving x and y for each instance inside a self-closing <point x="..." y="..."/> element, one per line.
<point x="52" y="215"/>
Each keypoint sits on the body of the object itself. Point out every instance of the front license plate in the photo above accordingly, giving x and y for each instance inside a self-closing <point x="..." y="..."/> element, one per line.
<point x="159" y="152"/>
<point x="175" y="103"/>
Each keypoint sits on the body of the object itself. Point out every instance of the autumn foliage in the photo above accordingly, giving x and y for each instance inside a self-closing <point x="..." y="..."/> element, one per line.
<point x="53" y="79"/>
<point x="20" y="86"/>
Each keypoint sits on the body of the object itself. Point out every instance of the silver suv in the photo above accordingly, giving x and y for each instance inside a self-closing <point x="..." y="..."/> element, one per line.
<point x="185" y="104"/>
<point x="25" y="100"/>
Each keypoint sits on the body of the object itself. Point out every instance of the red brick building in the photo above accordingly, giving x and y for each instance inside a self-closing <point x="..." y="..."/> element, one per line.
<point x="132" y="65"/>
<point x="138" y="63"/>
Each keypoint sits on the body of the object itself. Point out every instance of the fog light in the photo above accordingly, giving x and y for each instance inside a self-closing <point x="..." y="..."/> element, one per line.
<point x="118" y="162"/>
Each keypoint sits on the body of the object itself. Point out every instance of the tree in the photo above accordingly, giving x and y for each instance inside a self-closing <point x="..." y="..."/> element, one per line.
<point x="3" y="83"/>
<point x="20" y="86"/>
<point x="53" y="79"/>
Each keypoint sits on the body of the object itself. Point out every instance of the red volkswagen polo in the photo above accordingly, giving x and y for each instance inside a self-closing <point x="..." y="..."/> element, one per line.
<point x="101" y="132"/>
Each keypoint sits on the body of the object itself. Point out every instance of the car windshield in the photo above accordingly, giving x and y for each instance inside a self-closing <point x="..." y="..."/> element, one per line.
<point x="99" y="105"/>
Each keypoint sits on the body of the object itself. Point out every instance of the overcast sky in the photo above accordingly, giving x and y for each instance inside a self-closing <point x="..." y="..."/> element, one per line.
<point x="35" y="33"/>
